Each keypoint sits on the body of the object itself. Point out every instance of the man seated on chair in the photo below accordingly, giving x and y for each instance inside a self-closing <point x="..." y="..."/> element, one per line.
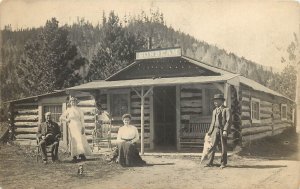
<point x="49" y="134"/>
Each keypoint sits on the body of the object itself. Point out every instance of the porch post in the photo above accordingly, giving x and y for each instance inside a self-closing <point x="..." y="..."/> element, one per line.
<point x="142" y="96"/>
<point x="151" y="123"/>
<point x="142" y="120"/>
<point x="178" y="117"/>
<point x="227" y="94"/>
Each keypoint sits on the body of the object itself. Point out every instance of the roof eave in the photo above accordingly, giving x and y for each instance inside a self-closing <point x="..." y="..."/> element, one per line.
<point x="36" y="96"/>
<point x="123" y="69"/>
<point x="139" y="84"/>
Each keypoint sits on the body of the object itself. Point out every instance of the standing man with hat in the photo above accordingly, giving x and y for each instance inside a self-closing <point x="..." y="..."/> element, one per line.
<point x="219" y="129"/>
<point x="49" y="134"/>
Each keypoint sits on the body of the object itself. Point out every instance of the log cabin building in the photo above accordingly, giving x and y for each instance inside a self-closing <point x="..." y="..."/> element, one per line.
<point x="170" y="99"/>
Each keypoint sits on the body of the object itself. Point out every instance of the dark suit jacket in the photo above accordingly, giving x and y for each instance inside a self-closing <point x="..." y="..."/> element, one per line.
<point x="224" y="120"/>
<point x="43" y="129"/>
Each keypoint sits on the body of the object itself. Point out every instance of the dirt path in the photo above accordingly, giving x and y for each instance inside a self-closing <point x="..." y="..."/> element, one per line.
<point x="271" y="163"/>
<point x="181" y="173"/>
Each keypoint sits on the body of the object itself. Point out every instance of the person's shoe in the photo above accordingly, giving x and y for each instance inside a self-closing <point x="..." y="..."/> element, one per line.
<point x="208" y="165"/>
<point x="44" y="161"/>
<point x="82" y="157"/>
<point x="74" y="160"/>
<point x="222" y="166"/>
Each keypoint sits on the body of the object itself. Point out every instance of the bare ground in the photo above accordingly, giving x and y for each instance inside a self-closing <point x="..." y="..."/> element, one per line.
<point x="268" y="163"/>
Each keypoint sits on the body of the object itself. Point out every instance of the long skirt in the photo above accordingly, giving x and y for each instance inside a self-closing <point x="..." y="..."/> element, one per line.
<point x="78" y="141"/>
<point x="128" y="155"/>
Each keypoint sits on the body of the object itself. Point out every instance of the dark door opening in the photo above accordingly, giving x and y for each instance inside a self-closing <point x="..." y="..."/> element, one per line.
<point x="164" y="100"/>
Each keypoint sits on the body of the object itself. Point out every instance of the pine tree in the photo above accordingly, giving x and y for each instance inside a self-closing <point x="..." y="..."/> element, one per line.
<point x="116" y="49"/>
<point x="288" y="82"/>
<point x="49" y="62"/>
<point x="294" y="60"/>
<point x="11" y="50"/>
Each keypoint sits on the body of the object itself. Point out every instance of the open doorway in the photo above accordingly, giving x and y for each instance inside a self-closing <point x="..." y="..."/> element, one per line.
<point x="164" y="101"/>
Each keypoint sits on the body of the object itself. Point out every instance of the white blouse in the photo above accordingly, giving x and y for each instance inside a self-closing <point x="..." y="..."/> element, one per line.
<point x="129" y="132"/>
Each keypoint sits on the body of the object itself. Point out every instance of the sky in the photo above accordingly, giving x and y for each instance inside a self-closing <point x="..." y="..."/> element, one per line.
<point x="257" y="30"/>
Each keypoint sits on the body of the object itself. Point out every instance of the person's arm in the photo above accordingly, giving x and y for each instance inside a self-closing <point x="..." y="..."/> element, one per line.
<point x="119" y="137"/>
<point x="64" y="116"/>
<point x="39" y="131"/>
<point x="58" y="132"/>
<point x="136" y="137"/>
<point x="82" y="121"/>
<point x="211" y="127"/>
<point x="227" y="121"/>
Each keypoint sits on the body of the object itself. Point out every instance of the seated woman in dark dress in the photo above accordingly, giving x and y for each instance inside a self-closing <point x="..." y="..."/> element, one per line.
<point x="128" y="135"/>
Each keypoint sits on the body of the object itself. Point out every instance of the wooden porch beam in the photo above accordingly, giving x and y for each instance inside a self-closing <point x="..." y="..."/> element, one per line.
<point x="149" y="90"/>
<point x="142" y="95"/>
<point x="137" y="92"/>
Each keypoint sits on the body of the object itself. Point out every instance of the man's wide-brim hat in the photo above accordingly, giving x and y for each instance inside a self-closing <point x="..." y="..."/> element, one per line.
<point x="219" y="96"/>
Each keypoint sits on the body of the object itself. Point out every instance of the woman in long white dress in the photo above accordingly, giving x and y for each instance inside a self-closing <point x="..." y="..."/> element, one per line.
<point x="75" y="120"/>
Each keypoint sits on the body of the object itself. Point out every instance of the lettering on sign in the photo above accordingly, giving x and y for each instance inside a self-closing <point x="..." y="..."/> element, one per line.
<point x="163" y="53"/>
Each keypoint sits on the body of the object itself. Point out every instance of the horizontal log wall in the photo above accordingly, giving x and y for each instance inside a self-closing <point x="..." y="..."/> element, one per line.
<point x="190" y="102"/>
<point x="27" y="117"/>
<point x="245" y="107"/>
<point x="280" y="125"/>
<point x="270" y="119"/>
<point x="26" y="122"/>
<point x="190" y="112"/>
<point x="87" y="105"/>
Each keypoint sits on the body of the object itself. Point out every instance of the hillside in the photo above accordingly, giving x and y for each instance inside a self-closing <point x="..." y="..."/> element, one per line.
<point x="89" y="39"/>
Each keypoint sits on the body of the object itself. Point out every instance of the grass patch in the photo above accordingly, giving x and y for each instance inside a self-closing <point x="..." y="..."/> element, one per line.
<point x="281" y="146"/>
<point x="19" y="169"/>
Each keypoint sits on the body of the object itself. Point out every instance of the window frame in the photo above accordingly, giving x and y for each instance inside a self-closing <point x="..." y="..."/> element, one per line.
<point x="255" y="120"/>
<point x="50" y="104"/>
<point x="281" y="111"/>
<point x="118" y="92"/>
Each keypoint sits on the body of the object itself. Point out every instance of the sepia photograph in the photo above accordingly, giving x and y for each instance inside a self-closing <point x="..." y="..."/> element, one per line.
<point x="154" y="94"/>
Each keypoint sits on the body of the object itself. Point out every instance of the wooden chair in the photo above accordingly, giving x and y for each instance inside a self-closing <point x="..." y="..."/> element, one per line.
<point x="192" y="134"/>
<point x="102" y="134"/>
<point x="39" y="150"/>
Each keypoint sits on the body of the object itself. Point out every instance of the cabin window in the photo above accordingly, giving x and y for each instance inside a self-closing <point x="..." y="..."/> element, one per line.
<point x="119" y="104"/>
<point x="283" y="112"/>
<point x="55" y="109"/>
<point x="255" y="110"/>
